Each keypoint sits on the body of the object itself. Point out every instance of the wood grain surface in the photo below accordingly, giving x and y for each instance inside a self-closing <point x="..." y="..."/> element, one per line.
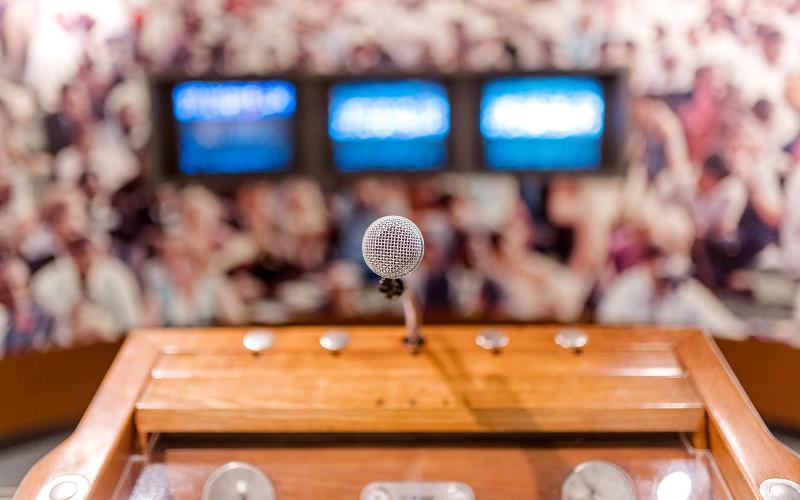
<point x="619" y="382"/>
<point x="51" y="389"/>
<point x="768" y="371"/>
<point x="745" y="450"/>
<point x="104" y="440"/>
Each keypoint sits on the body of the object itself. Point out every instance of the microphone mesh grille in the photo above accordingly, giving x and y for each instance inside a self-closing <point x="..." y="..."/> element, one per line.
<point x="392" y="246"/>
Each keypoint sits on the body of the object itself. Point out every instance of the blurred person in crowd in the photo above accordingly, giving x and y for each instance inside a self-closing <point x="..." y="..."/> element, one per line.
<point x="97" y="82"/>
<point x="719" y="202"/>
<point x="761" y="172"/>
<point x="473" y="294"/>
<point x="590" y="208"/>
<point x="661" y="291"/>
<point x="522" y="274"/>
<point x="346" y="290"/>
<point x="629" y="245"/>
<point x="651" y="213"/>
<point x="737" y="217"/>
<point x="366" y="57"/>
<point x="701" y="114"/>
<point x="162" y="33"/>
<point x="256" y="210"/>
<point x="17" y="20"/>
<point x="183" y="290"/>
<point x="216" y="243"/>
<point x="581" y="44"/>
<point x="258" y="40"/>
<point x="433" y="216"/>
<point x="790" y="223"/>
<point x="792" y="93"/>
<point x="257" y="206"/>
<point x="5" y="150"/>
<point x="93" y="295"/>
<point x="100" y="150"/>
<point x="134" y="207"/>
<point x="660" y="181"/>
<point x="18" y="215"/>
<point x="436" y="293"/>
<point x="65" y="213"/>
<point x="21" y="134"/>
<point x="663" y="142"/>
<point x="74" y="112"/>
<point x="671" y="71"/>
<point x="101" y="214"/>
<point x="193" y="28"/>
<point x="127" y="109"/>
<point x="304" y="224"/>
<point x="760" y="125"/>
<point x="717" y="211"/>
<point x="757" y="156"/>
<point x="24" y="324"/>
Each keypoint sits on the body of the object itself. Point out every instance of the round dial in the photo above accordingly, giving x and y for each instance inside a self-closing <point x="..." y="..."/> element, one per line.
<point x="237" y="481"/>
<point x="598" y="480"/>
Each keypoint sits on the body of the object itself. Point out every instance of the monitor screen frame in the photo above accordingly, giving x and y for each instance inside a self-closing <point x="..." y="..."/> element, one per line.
<point x="165" y="137"/>
<point x="312" y="148"/>
<point x="445" y="80"/>
<point x="613" y="145"/>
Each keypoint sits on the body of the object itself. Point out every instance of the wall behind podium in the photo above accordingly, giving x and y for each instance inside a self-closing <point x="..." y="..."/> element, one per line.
<point x="704" y="221"/>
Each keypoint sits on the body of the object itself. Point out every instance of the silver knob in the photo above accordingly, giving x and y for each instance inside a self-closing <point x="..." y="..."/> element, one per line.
<point x="492" y="340"/>
<point x="64" y="491"/>
<point x="238" y="480"/>
<point x="571" y="338"/>
<point x="258" y="341"/>
<point x="377" y="494"/>
<point x="459" y="491"/>
<point x="66" y="487"/>
<point x="335" y="341"/>
<point x="777" y="488"/>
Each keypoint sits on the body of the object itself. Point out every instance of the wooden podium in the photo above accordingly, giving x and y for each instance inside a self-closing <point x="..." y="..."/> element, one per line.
<point x="503" y="421"/>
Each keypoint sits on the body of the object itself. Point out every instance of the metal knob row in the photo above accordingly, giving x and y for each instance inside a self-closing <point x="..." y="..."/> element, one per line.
<point x="258" y="341"/>
<point x="335" y="341"/>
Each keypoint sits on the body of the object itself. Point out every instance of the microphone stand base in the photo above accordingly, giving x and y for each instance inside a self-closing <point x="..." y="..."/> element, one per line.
<point x="413" y="344"/>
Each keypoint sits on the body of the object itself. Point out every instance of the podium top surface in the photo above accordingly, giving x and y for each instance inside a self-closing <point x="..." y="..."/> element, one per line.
<point x="203" y="382"/>
<point x="620" y="381"/>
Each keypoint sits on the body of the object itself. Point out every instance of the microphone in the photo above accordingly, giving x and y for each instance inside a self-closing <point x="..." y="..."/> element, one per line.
<point x="392" y="247"/>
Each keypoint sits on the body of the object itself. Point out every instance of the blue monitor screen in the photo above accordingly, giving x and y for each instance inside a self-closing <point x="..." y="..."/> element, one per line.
<point x="542" y="123"/>
<point x="234" y="127"/>
<point x="398" y="125"/>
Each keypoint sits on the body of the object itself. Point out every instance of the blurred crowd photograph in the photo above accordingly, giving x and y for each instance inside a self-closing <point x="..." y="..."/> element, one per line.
<point x="701" y="227"/>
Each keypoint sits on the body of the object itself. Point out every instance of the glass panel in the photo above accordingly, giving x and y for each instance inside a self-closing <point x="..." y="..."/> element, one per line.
<point x="313" y="467"/>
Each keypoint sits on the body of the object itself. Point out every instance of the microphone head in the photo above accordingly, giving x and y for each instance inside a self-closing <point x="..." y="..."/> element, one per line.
<point x="392" y="246"/>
